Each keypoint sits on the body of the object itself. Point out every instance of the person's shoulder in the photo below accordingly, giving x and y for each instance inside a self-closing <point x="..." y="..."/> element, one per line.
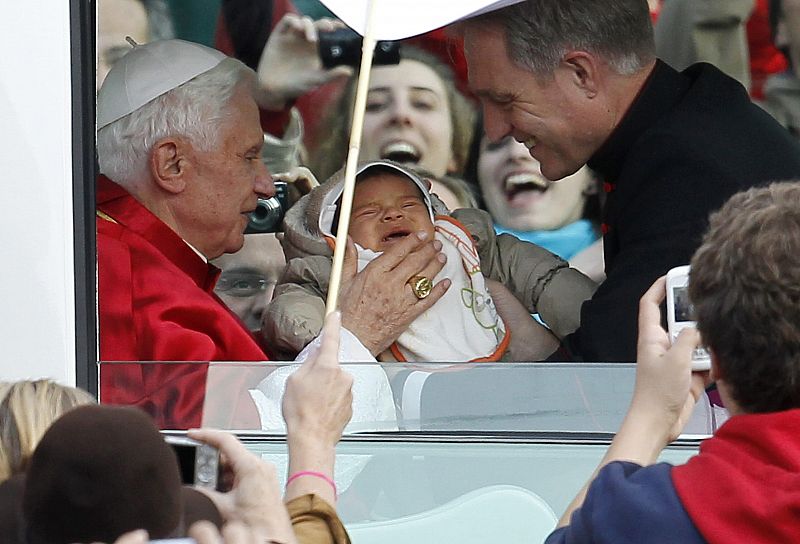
<point x="630" y="503"/>
<point x="478" y="223"/>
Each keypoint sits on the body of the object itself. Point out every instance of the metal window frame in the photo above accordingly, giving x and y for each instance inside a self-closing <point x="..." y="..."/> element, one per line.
<point x="84" y="172"/>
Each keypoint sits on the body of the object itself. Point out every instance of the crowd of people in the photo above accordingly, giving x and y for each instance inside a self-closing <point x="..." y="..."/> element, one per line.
<point x="76" y="472"/>
<point x="526" y="211"/>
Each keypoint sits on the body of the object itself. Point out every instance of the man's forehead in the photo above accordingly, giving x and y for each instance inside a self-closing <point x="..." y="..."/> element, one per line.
<point x="484" y="48"/>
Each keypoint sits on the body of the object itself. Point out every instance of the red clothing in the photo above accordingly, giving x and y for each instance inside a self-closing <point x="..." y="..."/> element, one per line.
<point x="156" y="303"/>
<point x="744" y="486"/>
<point x="765" y="58"/>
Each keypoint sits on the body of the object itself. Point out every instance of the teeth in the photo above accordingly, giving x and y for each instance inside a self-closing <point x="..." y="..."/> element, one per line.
<point x="399" y="148"/>
<point x="515" y="180"/>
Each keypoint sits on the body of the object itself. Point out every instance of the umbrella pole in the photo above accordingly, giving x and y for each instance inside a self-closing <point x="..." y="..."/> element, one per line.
<point x="367" y="51"/>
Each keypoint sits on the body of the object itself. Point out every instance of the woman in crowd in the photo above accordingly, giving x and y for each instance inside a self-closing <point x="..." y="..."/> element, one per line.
<point x="27" y="409"/>
<point x="562" y="216"/>
<point x="415" y="115"/>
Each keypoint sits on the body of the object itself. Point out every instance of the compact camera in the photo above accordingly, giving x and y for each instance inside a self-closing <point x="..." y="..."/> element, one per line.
<point x="343" y="47"/>
<point x="269" y="212"/>
<point x="198" y="462"/>
<point x="680" y="313"/>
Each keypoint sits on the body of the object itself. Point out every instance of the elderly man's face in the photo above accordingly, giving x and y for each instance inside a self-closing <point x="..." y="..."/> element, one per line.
<point x="225" y="182"/>
<point x="553" y="117"/>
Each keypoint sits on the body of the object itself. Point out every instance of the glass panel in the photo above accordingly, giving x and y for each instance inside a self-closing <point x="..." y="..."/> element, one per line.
<point x="388" y="480"/>
<point x="428" y="398"/>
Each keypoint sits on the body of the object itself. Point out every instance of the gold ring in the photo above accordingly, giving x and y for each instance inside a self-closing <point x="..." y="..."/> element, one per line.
<point x="420" y="286"/>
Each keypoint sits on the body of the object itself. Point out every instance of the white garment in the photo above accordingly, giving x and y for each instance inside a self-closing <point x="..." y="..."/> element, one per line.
<point x="373" y="404"/>
<point x="463" y="325"/>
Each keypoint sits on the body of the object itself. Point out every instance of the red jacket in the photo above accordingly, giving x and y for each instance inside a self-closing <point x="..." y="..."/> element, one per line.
<point x="156" y="303"/>
<point x="744" y="486"/>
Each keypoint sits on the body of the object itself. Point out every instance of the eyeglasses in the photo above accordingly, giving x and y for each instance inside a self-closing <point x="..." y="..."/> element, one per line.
<point x="238" y="285"/>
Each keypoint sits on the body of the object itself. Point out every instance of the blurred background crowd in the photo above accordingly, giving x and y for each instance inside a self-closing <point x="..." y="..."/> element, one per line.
<point x="420" y="111"/>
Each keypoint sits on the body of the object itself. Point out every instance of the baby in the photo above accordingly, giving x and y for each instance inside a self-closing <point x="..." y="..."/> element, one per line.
<point x="391" y="202"/>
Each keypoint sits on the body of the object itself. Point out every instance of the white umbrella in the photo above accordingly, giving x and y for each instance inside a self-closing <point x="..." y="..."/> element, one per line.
<point x="398" y="19"/>
<point x="385" y="20"/>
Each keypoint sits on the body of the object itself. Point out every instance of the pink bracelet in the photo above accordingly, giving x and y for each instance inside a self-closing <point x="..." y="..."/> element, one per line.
<point x="320" y="475"/>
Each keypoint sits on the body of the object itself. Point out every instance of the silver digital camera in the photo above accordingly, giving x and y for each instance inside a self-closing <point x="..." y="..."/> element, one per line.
<point x="198" y="462"/>
<point x="269" y="212"/>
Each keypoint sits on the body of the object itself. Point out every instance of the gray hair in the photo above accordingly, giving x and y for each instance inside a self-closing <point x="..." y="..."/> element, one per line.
<point x="540" y="32"/>
<point x="195" y="110"/>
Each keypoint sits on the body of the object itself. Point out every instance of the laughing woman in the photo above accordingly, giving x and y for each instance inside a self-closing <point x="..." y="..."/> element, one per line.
<point x="561" y="216"/>
<point x="415" y="115"/>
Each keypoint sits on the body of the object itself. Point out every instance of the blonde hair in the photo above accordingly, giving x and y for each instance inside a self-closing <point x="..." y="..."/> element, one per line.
<point x="27" y="409"/>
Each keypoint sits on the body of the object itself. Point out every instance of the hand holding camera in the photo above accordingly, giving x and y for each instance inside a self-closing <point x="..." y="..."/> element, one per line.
<point x="290" y="65"/>
<point x="289" y="188"/>
<point x="680" y="313"/>
<point x="666" y="390"/>
<point x="255" y="497"/>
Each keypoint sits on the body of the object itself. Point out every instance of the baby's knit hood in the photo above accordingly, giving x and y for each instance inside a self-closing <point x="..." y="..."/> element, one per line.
<point x="308" y="222"/>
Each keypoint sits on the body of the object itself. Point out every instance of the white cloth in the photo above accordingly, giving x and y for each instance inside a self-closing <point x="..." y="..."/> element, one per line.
<point x="463" y="325"/>
<point x="373" y="403"/>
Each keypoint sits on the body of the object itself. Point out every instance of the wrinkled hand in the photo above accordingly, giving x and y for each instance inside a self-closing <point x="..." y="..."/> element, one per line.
<point x="290" y="66"/>
<point x="255" y="498"/>
<point x="377" y="304"/>
<point x="666" y="389"/>
<point x="300" y="182"/>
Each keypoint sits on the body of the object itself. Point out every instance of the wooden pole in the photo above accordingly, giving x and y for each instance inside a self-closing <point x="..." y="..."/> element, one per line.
<point x="367" y="51"/>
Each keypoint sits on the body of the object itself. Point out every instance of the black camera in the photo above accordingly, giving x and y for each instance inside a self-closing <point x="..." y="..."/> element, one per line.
<point x="269" y="212"/>
<point x="343" y="47"/>
<point x="198" y="462"/>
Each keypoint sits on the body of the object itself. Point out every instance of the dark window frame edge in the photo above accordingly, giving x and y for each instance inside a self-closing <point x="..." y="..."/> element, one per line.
<point x="84" y="171"/>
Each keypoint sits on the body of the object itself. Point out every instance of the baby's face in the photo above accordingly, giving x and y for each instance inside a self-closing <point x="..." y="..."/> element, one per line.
<point x="386" y="208"/>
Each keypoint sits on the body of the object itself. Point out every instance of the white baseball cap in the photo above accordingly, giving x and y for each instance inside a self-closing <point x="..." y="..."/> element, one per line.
<point x="147" y="72"/>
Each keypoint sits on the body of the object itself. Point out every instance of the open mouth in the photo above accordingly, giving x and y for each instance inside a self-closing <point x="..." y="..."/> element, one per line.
<point x="515" y="184"/>
<point x="395" y="235"/>
<point x="402" y="152"/>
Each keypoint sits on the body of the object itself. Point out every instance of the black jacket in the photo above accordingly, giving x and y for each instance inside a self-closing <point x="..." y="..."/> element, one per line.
<point x="689" y="141"/>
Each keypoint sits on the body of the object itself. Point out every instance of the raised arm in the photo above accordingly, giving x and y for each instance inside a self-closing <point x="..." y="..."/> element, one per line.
<point x="664" y="395"/>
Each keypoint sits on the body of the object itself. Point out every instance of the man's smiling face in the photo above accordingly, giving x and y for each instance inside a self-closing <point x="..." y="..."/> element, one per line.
<point x="552" y="116"/>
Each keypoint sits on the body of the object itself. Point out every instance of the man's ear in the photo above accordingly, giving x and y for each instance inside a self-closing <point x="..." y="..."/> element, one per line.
<point x="583" y="70"/>
<point x="168" y="165"/>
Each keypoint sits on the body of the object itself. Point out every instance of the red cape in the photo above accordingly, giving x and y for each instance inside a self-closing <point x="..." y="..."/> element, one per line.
<point x="156" y="303"/>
